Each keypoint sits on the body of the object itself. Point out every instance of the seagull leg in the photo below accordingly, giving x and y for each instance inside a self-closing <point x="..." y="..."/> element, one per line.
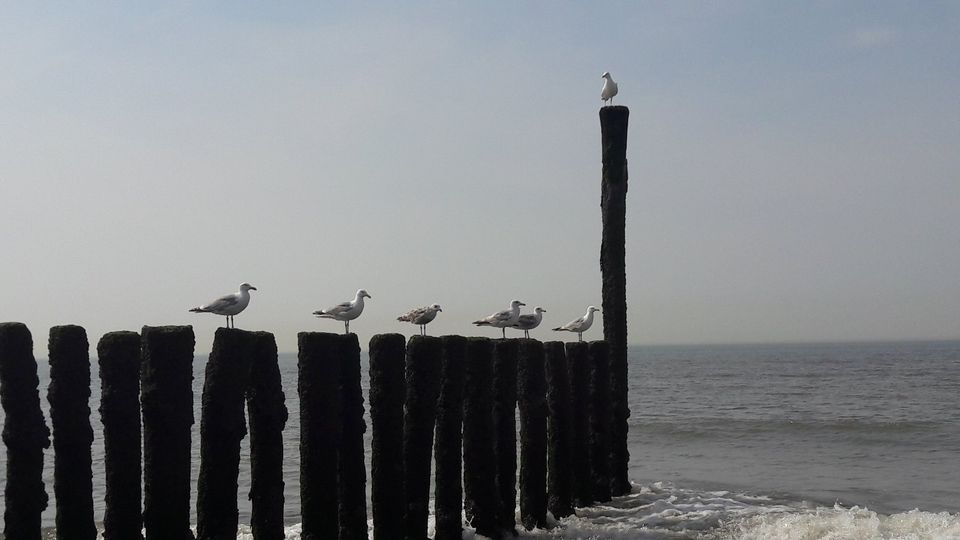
<point x="504" y="330"/>
<point x="580" y="337"/>
<point x="346" y="327"/>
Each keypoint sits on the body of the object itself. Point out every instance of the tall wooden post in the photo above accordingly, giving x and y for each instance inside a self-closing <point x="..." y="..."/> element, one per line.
<point x="423" y="388"/>
<point x="505" y="353"/>
<point x="351" y="470"/>
<point x="448" y="494"/>
<point x="479" y="456"/>
<point x="560" y="434"/>
<point x="532" y="386"/>
<point x="613" y="206"/>
<point x="387" y="393"/>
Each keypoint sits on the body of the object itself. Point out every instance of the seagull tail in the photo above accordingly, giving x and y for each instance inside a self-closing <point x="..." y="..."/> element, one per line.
<point x="197" y="310"/>
<point x="481" y="323"/>
<point x="323" y="314"/>
<point x="558" y="329"/>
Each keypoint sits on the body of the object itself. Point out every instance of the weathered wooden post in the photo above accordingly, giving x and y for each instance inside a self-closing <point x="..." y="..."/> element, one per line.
<point x="532" y="384"/>
<point x="319" y="388"/>
<point x="69" y="397"/>
<point x="505" y="430"/>
<point x="613" y="206"/>
<point x="579" y="373"/>
<point x="166" y="395"/>
<point x="448" y="495"/>
<point x="599" y="385"/>
<point x="25" y="434"/>
<point x="352" y="471"/>
<point x="560" y="434"/>
<point x="387" y="391"/>
<point x="222" y="427"/>
<point x="268" y="416"/>
<point x="423" y="388"/>
<point x="119" y="358"/>
<point x="479" y="457"/>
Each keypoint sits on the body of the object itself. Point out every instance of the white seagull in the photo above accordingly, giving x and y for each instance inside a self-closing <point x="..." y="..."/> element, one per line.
<point x="421" y="316"/>
<point x="502" y="319"/>
<point x="579" y="325"/>
<point x="345" y="311"/>
<point x="530" y="321"/>
<point x="228" y="305"/>
<point x="609" y="88"/>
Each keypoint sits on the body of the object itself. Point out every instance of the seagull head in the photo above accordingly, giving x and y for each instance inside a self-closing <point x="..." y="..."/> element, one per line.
<point x="591" y="309"/>
<point x="516" y="304"/>
<point x="247" y="287"/>
<point x="606" y="75"/>
<point x="436" y="307"/>
<point x="362" y="293"/>
<point x="540" y="310"/>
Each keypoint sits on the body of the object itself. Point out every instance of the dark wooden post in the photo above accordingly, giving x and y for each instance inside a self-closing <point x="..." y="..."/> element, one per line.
<point x="319" y="388"/>
<point x="560" y="435"/>
<point x="352" y="471"/>
<point x="613" y="206"/>
<point x="222" y="427"/>
<point x="69" y="397"/>
<point x="387" y="391"/>
<point x="479" y="457"/>
<point x="119" y="358"/>
<point x="532" y="386"/>
<point x="505" y="430"/>
<point x="423" y="388"/>
<point x="25" y="434"/>
<point x="448" y="495"/>
<point x="166" y="395"/>
<point x="268" y="416"/>
<point x="599" y="382"/>
<point x="579" y="373"/>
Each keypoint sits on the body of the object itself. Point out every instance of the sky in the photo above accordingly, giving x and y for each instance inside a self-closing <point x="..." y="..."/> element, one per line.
<point x="794" y="172"/>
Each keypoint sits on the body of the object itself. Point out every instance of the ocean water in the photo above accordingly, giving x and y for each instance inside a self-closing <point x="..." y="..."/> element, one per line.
<point x="838" y="441"/>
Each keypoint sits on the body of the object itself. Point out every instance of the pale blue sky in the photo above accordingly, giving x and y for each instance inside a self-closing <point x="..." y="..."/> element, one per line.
<point x="794" y="172"/>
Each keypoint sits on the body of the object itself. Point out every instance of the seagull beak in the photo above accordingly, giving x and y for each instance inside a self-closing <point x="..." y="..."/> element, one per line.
<point x="439" y="309"/>
<point x="253" y="288"/>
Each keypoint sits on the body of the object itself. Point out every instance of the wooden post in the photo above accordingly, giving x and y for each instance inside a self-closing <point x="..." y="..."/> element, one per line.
<point x="268" y="416"/>
<point x="613" y="206"/>
<point x="119" y="358"/>
<point x="351" y="471"/>
<point x="505" y="430"/>
<point x="387" y="391"/>
<point x="25" y="434"/>
<point x="579" y="373"/>
<point x="222" y="427"/>
<point x="532" y="386"/>
<point x="599" y="384"/>
<point x="318" y="384"/>
<point x="423" y="388"/>
<point x="448" y="495"/>
<point x="166" y="395"/>
<point x="479" y="458"/>
<point x="69" y="397"/>
<point x="560" y="434"/>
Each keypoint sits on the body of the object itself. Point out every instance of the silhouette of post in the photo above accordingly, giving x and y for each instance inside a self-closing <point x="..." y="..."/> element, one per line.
<point x="222" y="427"/>
<point x="599" y="382"/>
<point x="448" y="495"/>
<point x="69" y="397"/>
<point x="505" y="430"/>
<point x="613" y="207"/>
<point x="387" y="391"/>
<point x="319" y="388"/>
<point x="479" y="457"/>
<point x="560" y="433"/>
<point x="25" y="434"/>
<point x="119" y="359"/>
<point x="268" y="416"/>
<point x="352" y="471"/>
<point x="166" y="395"/>
<point x="423" y="388"/>
<point x="579" y="373"/>
<point x="532" y="384"/>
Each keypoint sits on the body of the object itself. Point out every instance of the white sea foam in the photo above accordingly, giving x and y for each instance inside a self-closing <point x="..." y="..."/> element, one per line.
<point x="847" y="524"/>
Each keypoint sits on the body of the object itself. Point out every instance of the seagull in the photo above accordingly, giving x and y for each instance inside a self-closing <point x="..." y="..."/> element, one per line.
<point x="502" y="319"/>
<point x="530" y="321"/>
<point x="228" y="305"/>
<point x="609" y="87"/>
<point x="345" y="311"/>
<point x="421" y="316"/>
<point x="579" y="325"/>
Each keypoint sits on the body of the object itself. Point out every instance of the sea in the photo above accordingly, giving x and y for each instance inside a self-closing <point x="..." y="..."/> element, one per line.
<point x="796" y="441"/>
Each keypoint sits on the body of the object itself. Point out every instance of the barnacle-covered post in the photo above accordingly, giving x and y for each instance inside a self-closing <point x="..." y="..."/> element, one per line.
<point x="599" y="382"/>
<point x="448" y="495"/>
<point x="479" y="457"/>
<point x="579" y="372"/>
<point x="560" y="432"/>
<point x="387" y="391"/>
<point x="423" y="388"/>
<point x="531" y="382"/>
<point x="505" y="430"/>
<point x="351" y="471"/>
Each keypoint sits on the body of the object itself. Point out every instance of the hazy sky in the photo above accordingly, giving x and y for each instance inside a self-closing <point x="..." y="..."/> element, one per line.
<point x="794" y="166"/>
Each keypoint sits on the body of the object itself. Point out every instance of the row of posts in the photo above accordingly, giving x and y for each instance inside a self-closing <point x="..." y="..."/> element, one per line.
<point x="431" y="399"/>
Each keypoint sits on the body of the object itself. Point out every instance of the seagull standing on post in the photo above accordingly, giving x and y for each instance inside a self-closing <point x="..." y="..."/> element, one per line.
<point x="421" y="316"/>
<point x="345" y="311"/>
<point x="228" y="305"/>
<point x="609" y="88"/>
<point x="530" y="321"/>
<point x="579" y="325"/>
<point x="502" y="319"/>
